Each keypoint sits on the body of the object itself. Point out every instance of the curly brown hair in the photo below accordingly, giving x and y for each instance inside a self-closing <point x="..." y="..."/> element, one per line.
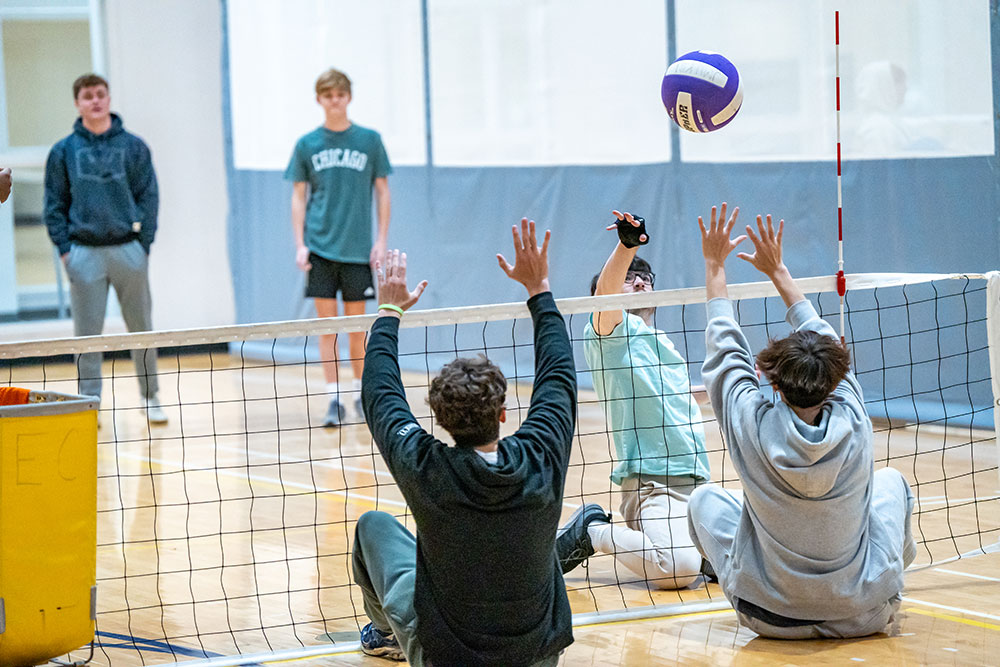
<point x="467" y="398"/>
<point x="806" y="366"/>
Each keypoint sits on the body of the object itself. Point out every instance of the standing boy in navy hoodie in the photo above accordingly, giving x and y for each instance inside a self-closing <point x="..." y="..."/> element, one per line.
<point x="101" y="202"/>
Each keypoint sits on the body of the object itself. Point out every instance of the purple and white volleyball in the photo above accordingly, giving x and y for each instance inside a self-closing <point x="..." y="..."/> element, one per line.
<point x="702" y="91"/>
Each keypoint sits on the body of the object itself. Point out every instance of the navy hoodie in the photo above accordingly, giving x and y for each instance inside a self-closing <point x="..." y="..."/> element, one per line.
<point x="100" y="189"/>
<point x="488" y="588"/>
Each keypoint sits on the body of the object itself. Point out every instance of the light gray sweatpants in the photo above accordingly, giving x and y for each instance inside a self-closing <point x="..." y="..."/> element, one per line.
<point x="91" y="269"/>
<point x="714" y="515"/>
<point x="655" y="542"/>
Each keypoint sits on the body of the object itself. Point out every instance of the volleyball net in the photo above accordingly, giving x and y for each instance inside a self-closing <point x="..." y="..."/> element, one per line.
<point x="226" y="533"/>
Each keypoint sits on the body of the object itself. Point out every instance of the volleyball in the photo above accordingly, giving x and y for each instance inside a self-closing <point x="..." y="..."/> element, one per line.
<point x="702" y="91"/>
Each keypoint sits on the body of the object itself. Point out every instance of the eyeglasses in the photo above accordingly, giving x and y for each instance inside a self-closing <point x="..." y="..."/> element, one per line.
<point x="647" y="277"/>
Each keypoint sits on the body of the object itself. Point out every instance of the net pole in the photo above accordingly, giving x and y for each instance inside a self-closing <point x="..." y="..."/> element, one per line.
<point x="841" y="280"/>
<point x="993" y="342"/>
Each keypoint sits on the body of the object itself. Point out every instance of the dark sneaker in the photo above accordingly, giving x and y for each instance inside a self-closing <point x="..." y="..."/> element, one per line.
<point x="381" y="645"/>
<point x="572" y="541"/>
<point x="709" y="571"/>
<point x="334" y="415"/>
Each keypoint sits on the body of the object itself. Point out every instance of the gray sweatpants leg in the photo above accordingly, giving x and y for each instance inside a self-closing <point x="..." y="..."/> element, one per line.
<point x="714" y="514"/>
<point x="91" y="270"/>
<point x="385" y="566"/>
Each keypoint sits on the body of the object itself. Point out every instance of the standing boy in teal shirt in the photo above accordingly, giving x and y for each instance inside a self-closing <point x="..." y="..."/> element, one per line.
<point x="642" y="383"/>
<point x="334" y="170"/>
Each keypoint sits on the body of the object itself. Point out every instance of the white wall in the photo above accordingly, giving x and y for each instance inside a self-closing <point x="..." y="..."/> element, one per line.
<point x="164" y="67"/>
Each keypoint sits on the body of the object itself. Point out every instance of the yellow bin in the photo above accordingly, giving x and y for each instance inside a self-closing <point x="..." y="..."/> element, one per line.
<point x="48" y="527"/>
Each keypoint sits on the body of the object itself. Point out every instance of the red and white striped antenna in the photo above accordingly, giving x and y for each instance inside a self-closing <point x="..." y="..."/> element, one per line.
<point x="841" y="281"/>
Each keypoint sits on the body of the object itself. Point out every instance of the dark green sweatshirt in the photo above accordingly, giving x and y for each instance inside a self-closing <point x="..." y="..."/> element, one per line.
<point x="488" y="587"/>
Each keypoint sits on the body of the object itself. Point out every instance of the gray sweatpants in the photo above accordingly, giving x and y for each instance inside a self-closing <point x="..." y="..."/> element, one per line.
<point x="91" y="269"/>
<point x="714" y="515"/>
<point x="385" y="566"/>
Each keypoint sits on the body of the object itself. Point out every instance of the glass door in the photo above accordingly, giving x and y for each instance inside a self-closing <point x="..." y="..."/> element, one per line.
<point x="44" y="46"/>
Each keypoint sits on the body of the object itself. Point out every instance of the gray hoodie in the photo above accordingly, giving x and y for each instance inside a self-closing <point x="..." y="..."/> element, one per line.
<point x="808" y="545"/>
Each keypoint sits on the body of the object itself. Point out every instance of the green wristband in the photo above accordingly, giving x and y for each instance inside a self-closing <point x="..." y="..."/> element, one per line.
<point x="389" y="306"/>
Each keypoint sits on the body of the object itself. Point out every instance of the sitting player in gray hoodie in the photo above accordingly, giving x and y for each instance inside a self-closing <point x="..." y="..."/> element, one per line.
<point x="817" y="544"/>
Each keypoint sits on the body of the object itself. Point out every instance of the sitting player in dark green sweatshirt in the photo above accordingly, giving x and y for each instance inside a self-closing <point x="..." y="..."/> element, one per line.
<point x="480" y="584"/>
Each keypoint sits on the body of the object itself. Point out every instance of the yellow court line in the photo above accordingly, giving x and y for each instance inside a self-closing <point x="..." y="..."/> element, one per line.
<point x="957" y="619"/>
<point x="667" y="617"/>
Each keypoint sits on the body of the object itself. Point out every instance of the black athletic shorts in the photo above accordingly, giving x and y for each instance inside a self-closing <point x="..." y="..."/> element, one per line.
<point x="326" y="278"/>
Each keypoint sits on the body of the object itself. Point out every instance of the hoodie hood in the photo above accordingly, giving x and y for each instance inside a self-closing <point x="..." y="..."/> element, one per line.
<point x="117" y="127"/>
<point x="810" y="459"/>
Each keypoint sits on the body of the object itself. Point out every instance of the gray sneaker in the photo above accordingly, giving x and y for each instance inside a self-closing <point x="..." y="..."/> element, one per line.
<point x="154" y="411"/>
<point x="334" y="415"/>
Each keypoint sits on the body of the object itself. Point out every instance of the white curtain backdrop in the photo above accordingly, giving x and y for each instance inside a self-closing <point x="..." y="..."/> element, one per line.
<point x="277" y="49"/>
<point x="576" y="82"/>
<point x="915" y="78"/>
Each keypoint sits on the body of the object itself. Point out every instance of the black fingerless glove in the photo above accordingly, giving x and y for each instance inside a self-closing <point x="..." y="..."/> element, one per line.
<point x="630" y="235"/>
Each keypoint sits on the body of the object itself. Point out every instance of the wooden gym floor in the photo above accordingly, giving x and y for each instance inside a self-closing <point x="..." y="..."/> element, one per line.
<point x="214" y="522"/>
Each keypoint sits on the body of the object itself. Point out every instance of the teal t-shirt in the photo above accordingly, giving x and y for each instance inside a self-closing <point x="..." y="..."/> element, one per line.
<point x="341" y="168"/>
<point x="642" y="382"/>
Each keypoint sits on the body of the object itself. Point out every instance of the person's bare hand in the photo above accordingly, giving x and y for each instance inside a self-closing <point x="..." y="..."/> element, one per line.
<point x="302" y="258"/>
<point x="392" y="288"/>
<point x="531" y="263"/>
<point x="767" y="247"/>
<point x="715" y="242"/>
<point x="5" y="184"/>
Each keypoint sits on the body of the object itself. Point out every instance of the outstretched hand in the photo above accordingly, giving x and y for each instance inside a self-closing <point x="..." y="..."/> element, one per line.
<point x="767" y="247"/>
<point x="715" y="242"/>
<point x="631" y="229"/>
<point x="531" y="263"/>
<point x="392" y="288"/>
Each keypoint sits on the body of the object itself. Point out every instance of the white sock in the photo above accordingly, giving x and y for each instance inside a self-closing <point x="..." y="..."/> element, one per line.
<point x="356" y="384"/>
<point x="599" y="533"/>
<point x="333" y="388"/>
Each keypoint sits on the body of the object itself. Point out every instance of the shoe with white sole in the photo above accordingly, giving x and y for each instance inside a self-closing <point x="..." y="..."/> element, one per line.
<point x="154" y="411"/>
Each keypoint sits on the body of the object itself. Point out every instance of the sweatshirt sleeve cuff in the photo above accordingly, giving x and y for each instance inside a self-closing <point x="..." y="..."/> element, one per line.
<point x="799" y="313"/>
<point x="386" y="322"/>
<point x="540" y="302"/>
<point x="720" y="307"/>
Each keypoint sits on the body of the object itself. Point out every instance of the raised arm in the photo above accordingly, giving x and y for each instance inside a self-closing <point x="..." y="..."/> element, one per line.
<point x="631" y="234"/>
<point x="728" y="369"/>
<point x="552" y="414"/>
<point x="382" y="395"/>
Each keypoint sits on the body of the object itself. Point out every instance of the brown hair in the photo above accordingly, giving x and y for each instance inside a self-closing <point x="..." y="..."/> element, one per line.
<point x="638" y="264"/>
<point x="467" y="398"/>
<point x="333" y="78"/>
<point x="87" y="81"/>
<point x="806" y="366"/>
